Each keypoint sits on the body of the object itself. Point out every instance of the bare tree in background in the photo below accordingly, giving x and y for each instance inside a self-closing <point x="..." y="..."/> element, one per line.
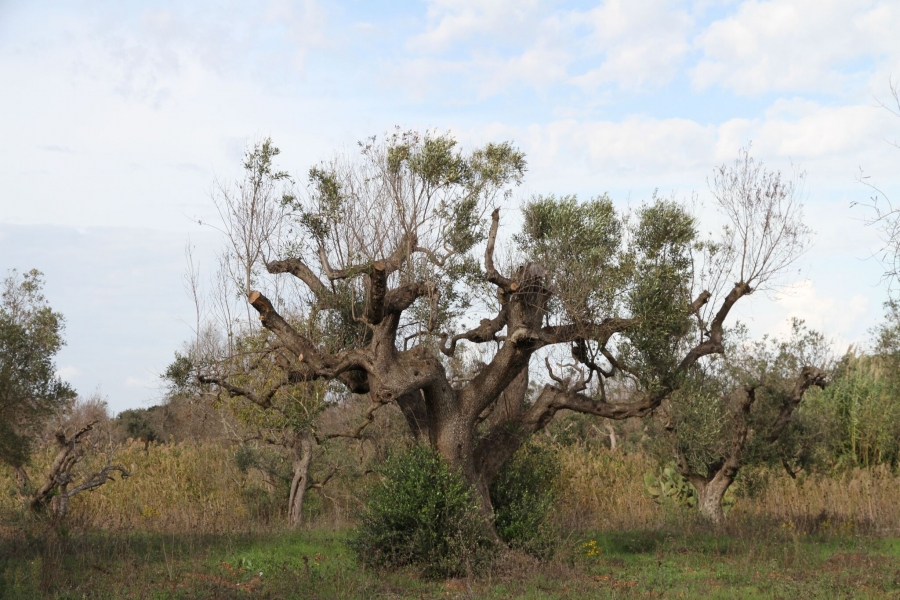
<point x="83" y="460"/>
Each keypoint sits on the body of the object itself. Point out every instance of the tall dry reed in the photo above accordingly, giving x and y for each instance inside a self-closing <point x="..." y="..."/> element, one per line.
<point x="181" y="487"/>
<point x="197" y="487"/>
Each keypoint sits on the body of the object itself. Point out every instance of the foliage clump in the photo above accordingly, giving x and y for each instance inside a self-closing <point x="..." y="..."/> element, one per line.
<point x="30" y="389"/>
<point x="422" y="514"/>
<point x="522" y="495"/>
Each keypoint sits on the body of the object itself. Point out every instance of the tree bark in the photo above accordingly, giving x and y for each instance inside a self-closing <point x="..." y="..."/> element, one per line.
<point x="301" y="449"/>
<point x="710" y="492"/>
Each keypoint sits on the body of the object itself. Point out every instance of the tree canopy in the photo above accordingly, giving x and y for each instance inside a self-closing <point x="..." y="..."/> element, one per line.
<point x="394" y="257"/>
<point x="30" y="390"/>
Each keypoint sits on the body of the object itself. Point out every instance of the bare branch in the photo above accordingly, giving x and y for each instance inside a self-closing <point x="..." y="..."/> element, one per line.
<point x="714" y="344"/>
<point x="298" y="269"/>
<point x="368" y="418"/>
<point x="486" y="331"/>
<point x="319" y="485"/>
<point x="263" y="400"/>
<point x="97" y="479"/>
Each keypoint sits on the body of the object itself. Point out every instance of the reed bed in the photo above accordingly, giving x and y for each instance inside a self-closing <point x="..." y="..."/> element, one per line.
<point x="172" y="488"/>
<point x="863" y="500"/>
<point x="197" y="487"/>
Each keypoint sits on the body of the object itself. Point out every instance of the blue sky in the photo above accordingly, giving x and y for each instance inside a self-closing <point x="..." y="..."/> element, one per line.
<point x="117" y="118"/>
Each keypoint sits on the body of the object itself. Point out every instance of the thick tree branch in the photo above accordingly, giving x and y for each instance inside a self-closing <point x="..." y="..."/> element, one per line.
<point x="264" y="400"/>
<point x="323" y="365"/>
<point x="492" y="274"/>
<point x="714" y="344"/>
<point x="809" y="377"/>
<point x="298" y="269"/>
<point x="486" y="331"/>
<point x="368" y="418"/>
<point x="407" y="245"/>
<point x="598" y="332"/>
<point x="377" y="289"/>
<point x="400" y="298"/>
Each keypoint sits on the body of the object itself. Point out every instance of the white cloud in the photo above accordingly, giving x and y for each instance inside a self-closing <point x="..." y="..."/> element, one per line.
<point x="148" y="383"/>
<point x="68" y="373"/>
<point x="798" y="45"/>
<point x="640" y="43"/>
<point x="454" y="21"/>
<point x="841" y="318"/>
<point x="305" y="21"/>
<point x="828" y="142"/>
<point x="494" y="46"/>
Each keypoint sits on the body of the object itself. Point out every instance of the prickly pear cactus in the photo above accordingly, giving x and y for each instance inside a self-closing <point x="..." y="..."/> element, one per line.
<point x="668" y="484"/>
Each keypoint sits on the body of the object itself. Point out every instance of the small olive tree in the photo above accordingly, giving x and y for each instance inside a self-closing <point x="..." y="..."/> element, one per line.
<point x="742" y="410"/>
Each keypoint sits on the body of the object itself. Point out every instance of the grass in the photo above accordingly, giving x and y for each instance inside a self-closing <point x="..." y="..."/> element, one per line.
<point x="773" y="562"/>
<point x="185" y="526"/>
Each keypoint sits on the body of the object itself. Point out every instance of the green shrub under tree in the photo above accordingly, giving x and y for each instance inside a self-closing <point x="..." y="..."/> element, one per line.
<point x="422" y="514"/>
<point x="522" y="495"/>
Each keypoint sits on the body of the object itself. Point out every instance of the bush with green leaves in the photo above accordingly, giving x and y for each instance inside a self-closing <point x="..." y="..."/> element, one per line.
<point x="422" y="514"/>
<point x="523" y="494"/>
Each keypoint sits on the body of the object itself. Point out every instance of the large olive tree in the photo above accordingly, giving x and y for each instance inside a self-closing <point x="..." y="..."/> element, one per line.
<point x="395" y="250"/>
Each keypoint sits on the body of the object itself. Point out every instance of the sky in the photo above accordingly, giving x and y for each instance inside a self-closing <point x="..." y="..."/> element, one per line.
<point x="117" y="118"/>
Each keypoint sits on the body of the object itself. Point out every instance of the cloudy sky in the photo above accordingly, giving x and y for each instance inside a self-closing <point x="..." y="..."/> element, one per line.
<point x="116" y="119"/>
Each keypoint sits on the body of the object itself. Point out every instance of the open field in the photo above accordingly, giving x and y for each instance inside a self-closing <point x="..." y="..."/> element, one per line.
<point x="777" y="563"/>
<point x="186" y="525"/>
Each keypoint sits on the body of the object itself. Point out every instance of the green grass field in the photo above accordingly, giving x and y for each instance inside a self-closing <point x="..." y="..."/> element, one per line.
<point x="318" y="564"/>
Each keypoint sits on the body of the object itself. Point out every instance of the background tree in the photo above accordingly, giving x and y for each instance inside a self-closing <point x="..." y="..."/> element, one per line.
<point x="235" y="356"/>
<point x="859" y="413"/>
<point x="268" y="411"/>
<point x="30" y="390"/>
<point x="385" y="247"/>
<point x="741" y="409"/>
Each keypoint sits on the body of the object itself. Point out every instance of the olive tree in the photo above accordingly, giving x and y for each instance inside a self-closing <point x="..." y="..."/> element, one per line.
<point x="30" y="389"/>
<point x="394" y="256"/>
<point x="741" y="409"/>
<point x="280" y="416"/>
<point x="31" y="393"/>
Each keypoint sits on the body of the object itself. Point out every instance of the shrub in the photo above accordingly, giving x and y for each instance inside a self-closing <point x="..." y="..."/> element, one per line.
<point x="422" y="514"/>
<point x="260" y="504"/>
<point x="522" y="495"/>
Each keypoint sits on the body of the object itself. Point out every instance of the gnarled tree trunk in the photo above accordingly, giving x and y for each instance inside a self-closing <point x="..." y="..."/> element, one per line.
<point x="55" y="490"/>
<point x="301" y="457"/>
<point x="710" y="492"/>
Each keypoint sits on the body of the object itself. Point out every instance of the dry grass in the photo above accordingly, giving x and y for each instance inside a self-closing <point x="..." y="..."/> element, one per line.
<point x="172" y="488"/>
<point x="197" y="487"/>
<point x="857" y="500"/>
<point x="604" y="490"/>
